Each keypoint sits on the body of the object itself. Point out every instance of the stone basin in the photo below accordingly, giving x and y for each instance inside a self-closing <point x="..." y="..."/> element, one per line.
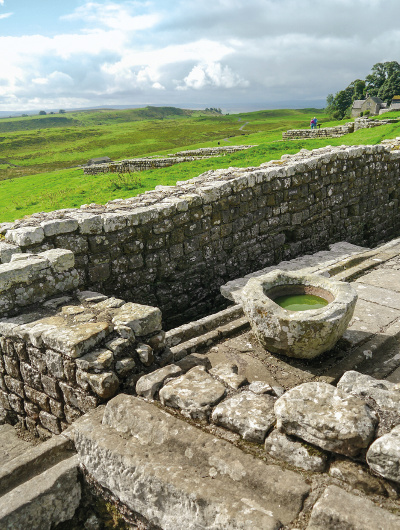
<point x="299" y="334"/>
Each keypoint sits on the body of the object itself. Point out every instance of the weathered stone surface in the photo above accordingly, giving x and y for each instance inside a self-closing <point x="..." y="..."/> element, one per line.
<point x="76" y="340"/>
<point x="337" y="509"/>
<point x="59" y="226"/>
<point x="91" y="296"/>
<point x="384" y="394"/>
<point x="124" y="366"/>
<point x="199" y="481"/>
<point x="18" y="272"/>
<point x="145" y="353"/>
<point x="383" y="456"/>
<point x="26" y="236"/>
<point x="327" y="417"/>
<point x="192" y="360"/>
<point x="7" y="251"/>
<point x="149" y="384"/>
<point x="357" y="476"/>
<point x="295" y="452"/>
<point x="260" y="387"/>
<point x="249" y="415"/>
<point x="229" y="375"/>
<point x="299" y="334"/>
<point x="194" y="393"/>
<point x="49" y="422"/>
<point x="44" y="501"/>
<point x="119" y="346"/>
<point x="61" y="260"/>
<point x="104" y="385"/>
<point x="142" y="319"/>
<point x="97" y="360"/>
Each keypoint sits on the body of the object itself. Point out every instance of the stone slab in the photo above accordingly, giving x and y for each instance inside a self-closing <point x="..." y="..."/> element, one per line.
<point x="11" y="446"/>
<point x="385" y="278"/>
<point x="337" y="509"/>
<point x="33" y="460"/>
<point x="178" y="476"/>
<point x="378" y="295"/>
<point x="44" y="501"/>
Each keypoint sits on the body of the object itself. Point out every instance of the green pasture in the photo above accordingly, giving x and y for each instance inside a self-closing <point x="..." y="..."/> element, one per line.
<point x="37" y="170"/>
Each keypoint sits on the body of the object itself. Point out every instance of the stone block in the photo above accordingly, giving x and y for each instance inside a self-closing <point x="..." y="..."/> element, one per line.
<point x="213" y="483"/>
<point x="149" y="384"/>
<point x="29" y="235"/>
<point x="56" y="227"/>
<point x="49" y="422"/>
<point x="145" y="354"/>
<point x="105" y="385"/>
<point x="50" y="387"/>
<point x="56" y="408"/>
<point x="125" y="366"/>
<point x="228" y="373"/>
<point x="14" y="385"/>
<point x="248" y="414"/>
<point x="194" y="393"/>
<point x="61" y="260"/>
<point x="142" y="319"/>
<point x="98" y="360"/>
<point x="31" y="410"/>
<point x="43" y="501"/>
<point x="37" y="359"/>
<point x="338" y="509"/>
<point x="383" y="456"/>
<point x="295" y="452"/>
<point x="54" y="363"/>
<point x="12" y="367"/>
<point x="327" y="417"/>
<point x="37" y="397"/>
<point x="16" y="403"/>
<point x="76" y="340"/>
<point x="31" y="376"/>
<point x="71" y="414"/>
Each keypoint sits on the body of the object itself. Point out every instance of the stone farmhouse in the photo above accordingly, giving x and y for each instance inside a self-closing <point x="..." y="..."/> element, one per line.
<point x="374" y="105"/>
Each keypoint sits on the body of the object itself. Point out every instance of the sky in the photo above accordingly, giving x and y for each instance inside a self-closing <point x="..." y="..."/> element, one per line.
<point x="237" y="55"/>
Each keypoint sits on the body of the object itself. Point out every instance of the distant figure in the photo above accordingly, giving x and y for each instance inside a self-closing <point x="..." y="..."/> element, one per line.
<point x="218" y="143"/>
<point x="313" y="123"/>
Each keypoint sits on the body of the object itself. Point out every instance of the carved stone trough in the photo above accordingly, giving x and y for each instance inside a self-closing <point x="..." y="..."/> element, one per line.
<point x="299" y="334"/>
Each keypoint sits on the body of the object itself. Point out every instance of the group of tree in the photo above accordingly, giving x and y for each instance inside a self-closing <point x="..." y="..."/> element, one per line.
<point x="212" y="109"/>
<point x="383" y="81"/>
<point x="44" y="113"/>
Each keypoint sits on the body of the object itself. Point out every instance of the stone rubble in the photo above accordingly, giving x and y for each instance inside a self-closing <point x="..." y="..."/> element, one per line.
<point x="327" y="417"/>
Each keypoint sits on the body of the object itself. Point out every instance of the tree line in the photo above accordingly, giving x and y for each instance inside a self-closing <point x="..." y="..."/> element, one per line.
<point x="383" y="81"/>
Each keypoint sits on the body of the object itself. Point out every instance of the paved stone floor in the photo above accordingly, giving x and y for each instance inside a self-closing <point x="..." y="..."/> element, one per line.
<point x="371" y="343"/>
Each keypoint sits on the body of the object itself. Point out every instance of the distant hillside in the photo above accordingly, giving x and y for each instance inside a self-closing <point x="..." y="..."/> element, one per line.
<point x="84" y="118"/>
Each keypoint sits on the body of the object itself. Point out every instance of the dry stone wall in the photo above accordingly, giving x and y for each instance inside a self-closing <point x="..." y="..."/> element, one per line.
<point x="325" y="132"/>
<point x="64" y="357"/>
<point x="174" y="247"/>
<point x="142" y="164"/>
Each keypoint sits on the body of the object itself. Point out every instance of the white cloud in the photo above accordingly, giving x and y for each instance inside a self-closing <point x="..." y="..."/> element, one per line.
<point x="6" y="15"/>
<point x="212" y="74"/>
<point x="113" y="15"/>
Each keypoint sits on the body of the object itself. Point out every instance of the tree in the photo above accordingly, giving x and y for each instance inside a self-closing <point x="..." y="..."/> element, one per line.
<point x="380" y="74"/>
<point x="61" y="111"/>
<point x="42" y="113"/>
<point x="390" y="88"/>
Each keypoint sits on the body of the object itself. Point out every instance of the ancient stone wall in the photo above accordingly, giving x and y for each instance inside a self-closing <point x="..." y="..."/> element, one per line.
<point x="62" y="358"/>
<point x="142" y="164"/>
<point x="325" y="132"/>
<point x="175" y="246"/>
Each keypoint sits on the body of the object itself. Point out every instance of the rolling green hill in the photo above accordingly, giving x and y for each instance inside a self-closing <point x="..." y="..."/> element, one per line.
<point x="37" y="170"/>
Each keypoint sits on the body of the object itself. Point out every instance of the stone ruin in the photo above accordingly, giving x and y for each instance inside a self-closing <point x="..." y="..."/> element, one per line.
<point x="90" y="301"/>
<point x="337" y="131"/>
<point x="153" y="162"/>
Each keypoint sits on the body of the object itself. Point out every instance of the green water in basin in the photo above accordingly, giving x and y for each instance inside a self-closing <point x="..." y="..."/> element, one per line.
<point x="300" y="302"/>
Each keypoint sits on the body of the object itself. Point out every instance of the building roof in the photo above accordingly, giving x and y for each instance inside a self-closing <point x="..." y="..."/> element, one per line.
<point x="357" y="103"/>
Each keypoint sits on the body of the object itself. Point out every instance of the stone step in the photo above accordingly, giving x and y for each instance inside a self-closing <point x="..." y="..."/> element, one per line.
<point x="32" y="461"/>
<point x="43" y="501"/>
<point x="11" y="446"/>
<point x="206" y="340"/>
<point x="178" y="476"/>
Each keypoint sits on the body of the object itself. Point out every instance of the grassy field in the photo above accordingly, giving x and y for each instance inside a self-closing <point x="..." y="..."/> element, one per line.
<point x="37" y="154"/>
